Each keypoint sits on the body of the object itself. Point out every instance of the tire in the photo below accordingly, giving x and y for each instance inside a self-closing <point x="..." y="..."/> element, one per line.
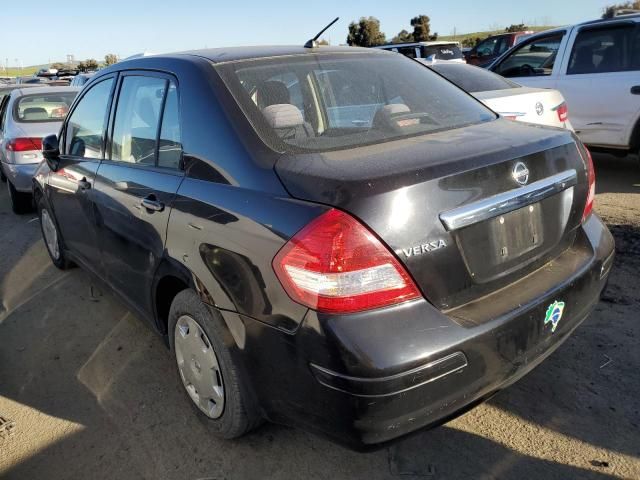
<point x="20" y="202"/>
<point x="229" y="413"/>
<point x="48" y="226"/>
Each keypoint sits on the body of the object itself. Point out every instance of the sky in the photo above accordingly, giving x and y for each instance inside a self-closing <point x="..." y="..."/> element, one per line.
<point x="37" y="31"/>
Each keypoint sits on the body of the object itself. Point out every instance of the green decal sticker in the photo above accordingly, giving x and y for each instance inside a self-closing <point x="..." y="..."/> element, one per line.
<point x="554" y="314"/>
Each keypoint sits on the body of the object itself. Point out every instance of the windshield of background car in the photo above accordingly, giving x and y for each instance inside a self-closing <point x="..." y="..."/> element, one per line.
<point x="43" y="107"/>
<point x="331" y="101"/>
<point x="473" y="79"/>
<point x="442" y="52"/>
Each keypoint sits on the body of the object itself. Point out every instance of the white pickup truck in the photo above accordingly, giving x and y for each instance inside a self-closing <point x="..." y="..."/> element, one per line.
<point x="596" y="67"/>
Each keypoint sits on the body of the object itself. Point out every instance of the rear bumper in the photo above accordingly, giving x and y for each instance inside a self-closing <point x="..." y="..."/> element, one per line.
<point x="369" y="378"/>
<point x="20" y="175"/>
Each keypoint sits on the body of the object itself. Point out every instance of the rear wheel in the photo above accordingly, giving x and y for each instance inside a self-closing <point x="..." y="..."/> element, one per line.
<point x="213" y="382"/>
<point x="20" y="202"/>
<point x="51" y="237"/>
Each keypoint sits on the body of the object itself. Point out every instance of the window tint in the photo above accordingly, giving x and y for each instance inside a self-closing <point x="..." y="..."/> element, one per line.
<point x="535" y="58"/>
<point x="635" y="51"/>
<point x="473" y="79"/>
<point x="353" y="99"/>
<point x="602" y="50"/>
<point x="135" y="130"/>
<point x="407" y="51"/>
<point x="4" y="101"/>
<point x="170" y="150"/>
<point x="85" y="128"/>
<point x="442" y="52"/>
<point x="487" y="48"/>
<point x="49" y="107"/>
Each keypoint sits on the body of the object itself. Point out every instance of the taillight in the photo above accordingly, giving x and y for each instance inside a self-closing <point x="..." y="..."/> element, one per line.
<point x="591" y="177"/>
<point x="24" y="144"/>
<point x="563" y="112"/>
<point x="337" y="265"/>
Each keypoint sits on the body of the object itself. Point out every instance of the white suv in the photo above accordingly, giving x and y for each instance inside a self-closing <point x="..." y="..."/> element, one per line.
<point x="596" y="67"/>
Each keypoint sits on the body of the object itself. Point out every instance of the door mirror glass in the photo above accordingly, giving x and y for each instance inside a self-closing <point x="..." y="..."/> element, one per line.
<point x="51" y="151"/>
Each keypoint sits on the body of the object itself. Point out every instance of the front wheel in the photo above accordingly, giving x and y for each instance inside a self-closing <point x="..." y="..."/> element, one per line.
<point x="51" y="237"/>
<point x="20" y="202"/>
<point x="214" y="383"/>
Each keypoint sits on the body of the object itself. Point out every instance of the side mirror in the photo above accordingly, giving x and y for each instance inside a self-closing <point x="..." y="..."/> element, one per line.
<point x="51" y="151"/>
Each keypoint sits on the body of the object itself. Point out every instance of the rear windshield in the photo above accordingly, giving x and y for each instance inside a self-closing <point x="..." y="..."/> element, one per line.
<point x="332" y="101"/>
<point x="473" y="79"/>
<point x="442" y="52"/>
<point x="44" y="107"/>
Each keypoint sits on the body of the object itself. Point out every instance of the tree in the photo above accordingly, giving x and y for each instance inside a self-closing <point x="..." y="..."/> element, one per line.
<point x="91" y="64"/>
<point x="322" y="41"/>
<point x="366" y="33"/>
<point x="422" y="29"/>
<point x="110" y="59"/>
<point x="402" y="37"/>
<point x="471" y="42"/>
<point x="58" y="66"/>
<point x="610" y="11"/>
<point x="516" y="28"/>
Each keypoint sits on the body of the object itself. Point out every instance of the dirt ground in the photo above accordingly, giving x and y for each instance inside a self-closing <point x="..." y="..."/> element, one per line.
<point x="88" y="392"/>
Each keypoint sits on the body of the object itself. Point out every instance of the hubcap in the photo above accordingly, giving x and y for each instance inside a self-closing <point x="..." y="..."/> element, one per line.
<point x="50" y="234"/>
<point x="198" y="367"/>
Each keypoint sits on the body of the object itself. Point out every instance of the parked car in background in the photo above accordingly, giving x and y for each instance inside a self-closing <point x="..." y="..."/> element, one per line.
<point x="596" y="67"/>
<point x="82" y="78"/>
<point x="27" y="115"/>
<point x="362" y="279"/>
<point x="533" y="105"/>
<point x="428" y="51"/>
<point x="492" y="47"/>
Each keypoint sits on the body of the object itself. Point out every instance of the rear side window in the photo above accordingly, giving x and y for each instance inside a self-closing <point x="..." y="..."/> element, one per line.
<point x="442" y="52"/>
<point x="535" y="58"/>
<point x="604" y="50"/>
<point x="349" y="100"/>
<point x="48" y="107"/>
<point x="86" y="125"/>
<point x="170" y="149"/>
<point x="135" y="130"/>
<point x="473" y="79"/>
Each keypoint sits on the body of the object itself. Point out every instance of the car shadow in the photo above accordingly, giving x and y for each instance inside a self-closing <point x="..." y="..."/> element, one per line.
<point x="616" y="174"/>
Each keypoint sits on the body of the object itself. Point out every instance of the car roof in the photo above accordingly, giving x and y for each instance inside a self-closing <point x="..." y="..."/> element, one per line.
<point x="415" y="44"/>
<point x="631" y="16"/>
<point x="39" y="89"/>
<point x="230" y="54"/>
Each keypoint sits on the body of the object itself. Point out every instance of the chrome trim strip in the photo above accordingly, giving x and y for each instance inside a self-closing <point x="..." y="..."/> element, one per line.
<point x="508" y="201"/>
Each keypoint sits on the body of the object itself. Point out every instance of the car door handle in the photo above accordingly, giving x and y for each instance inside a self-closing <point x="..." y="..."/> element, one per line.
<point x="152" y="204"/>
<point x="84" y="184"/>
<point x="635" y="90"/>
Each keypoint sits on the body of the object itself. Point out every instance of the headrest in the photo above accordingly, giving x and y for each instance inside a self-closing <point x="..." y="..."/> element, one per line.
<point x="283" y="115"/>
<point x="273" y="93"/>
<point x="395" y="109"/>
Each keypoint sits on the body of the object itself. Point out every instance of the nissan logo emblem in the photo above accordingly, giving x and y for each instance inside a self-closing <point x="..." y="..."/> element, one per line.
<point x="520" y="173"/>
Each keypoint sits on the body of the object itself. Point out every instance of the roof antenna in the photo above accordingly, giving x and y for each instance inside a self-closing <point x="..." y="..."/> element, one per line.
<point x="313" y="43"/>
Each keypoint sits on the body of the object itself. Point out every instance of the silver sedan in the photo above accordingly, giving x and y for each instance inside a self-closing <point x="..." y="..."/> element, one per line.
<point x="26" y="116"/>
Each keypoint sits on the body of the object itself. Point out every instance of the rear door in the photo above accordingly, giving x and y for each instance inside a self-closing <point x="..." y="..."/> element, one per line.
<point x="137" y="182"/>
<point x="533" y="63"/>
<point x="600" y="80"/>
<point x="82" y="144"/>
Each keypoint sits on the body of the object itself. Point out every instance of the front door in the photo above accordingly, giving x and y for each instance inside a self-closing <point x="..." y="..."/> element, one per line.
<point x="601" y="83"/>
<point x="136" y="184"/>
<point x="71" y="189"/>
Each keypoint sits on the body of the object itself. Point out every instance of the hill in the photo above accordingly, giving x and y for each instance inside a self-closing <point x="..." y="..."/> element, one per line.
<point x="460" y="38"/>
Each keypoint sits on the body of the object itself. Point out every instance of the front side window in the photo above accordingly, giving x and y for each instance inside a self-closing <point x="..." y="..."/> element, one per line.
<point x="135" y="130"/>
<point x="47" y="107"/>
<point x="535" y="58"/>
<point x="352" y="99"/>
<point x="86" y="125"/>
<point x="602" y="50"/>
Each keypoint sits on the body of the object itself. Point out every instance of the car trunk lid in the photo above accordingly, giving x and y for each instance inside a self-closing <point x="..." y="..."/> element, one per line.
<point x="449" y="204"/>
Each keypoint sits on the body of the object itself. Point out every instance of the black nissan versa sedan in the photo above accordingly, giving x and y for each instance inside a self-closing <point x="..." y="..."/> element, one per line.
<point x="333" y="238"/>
